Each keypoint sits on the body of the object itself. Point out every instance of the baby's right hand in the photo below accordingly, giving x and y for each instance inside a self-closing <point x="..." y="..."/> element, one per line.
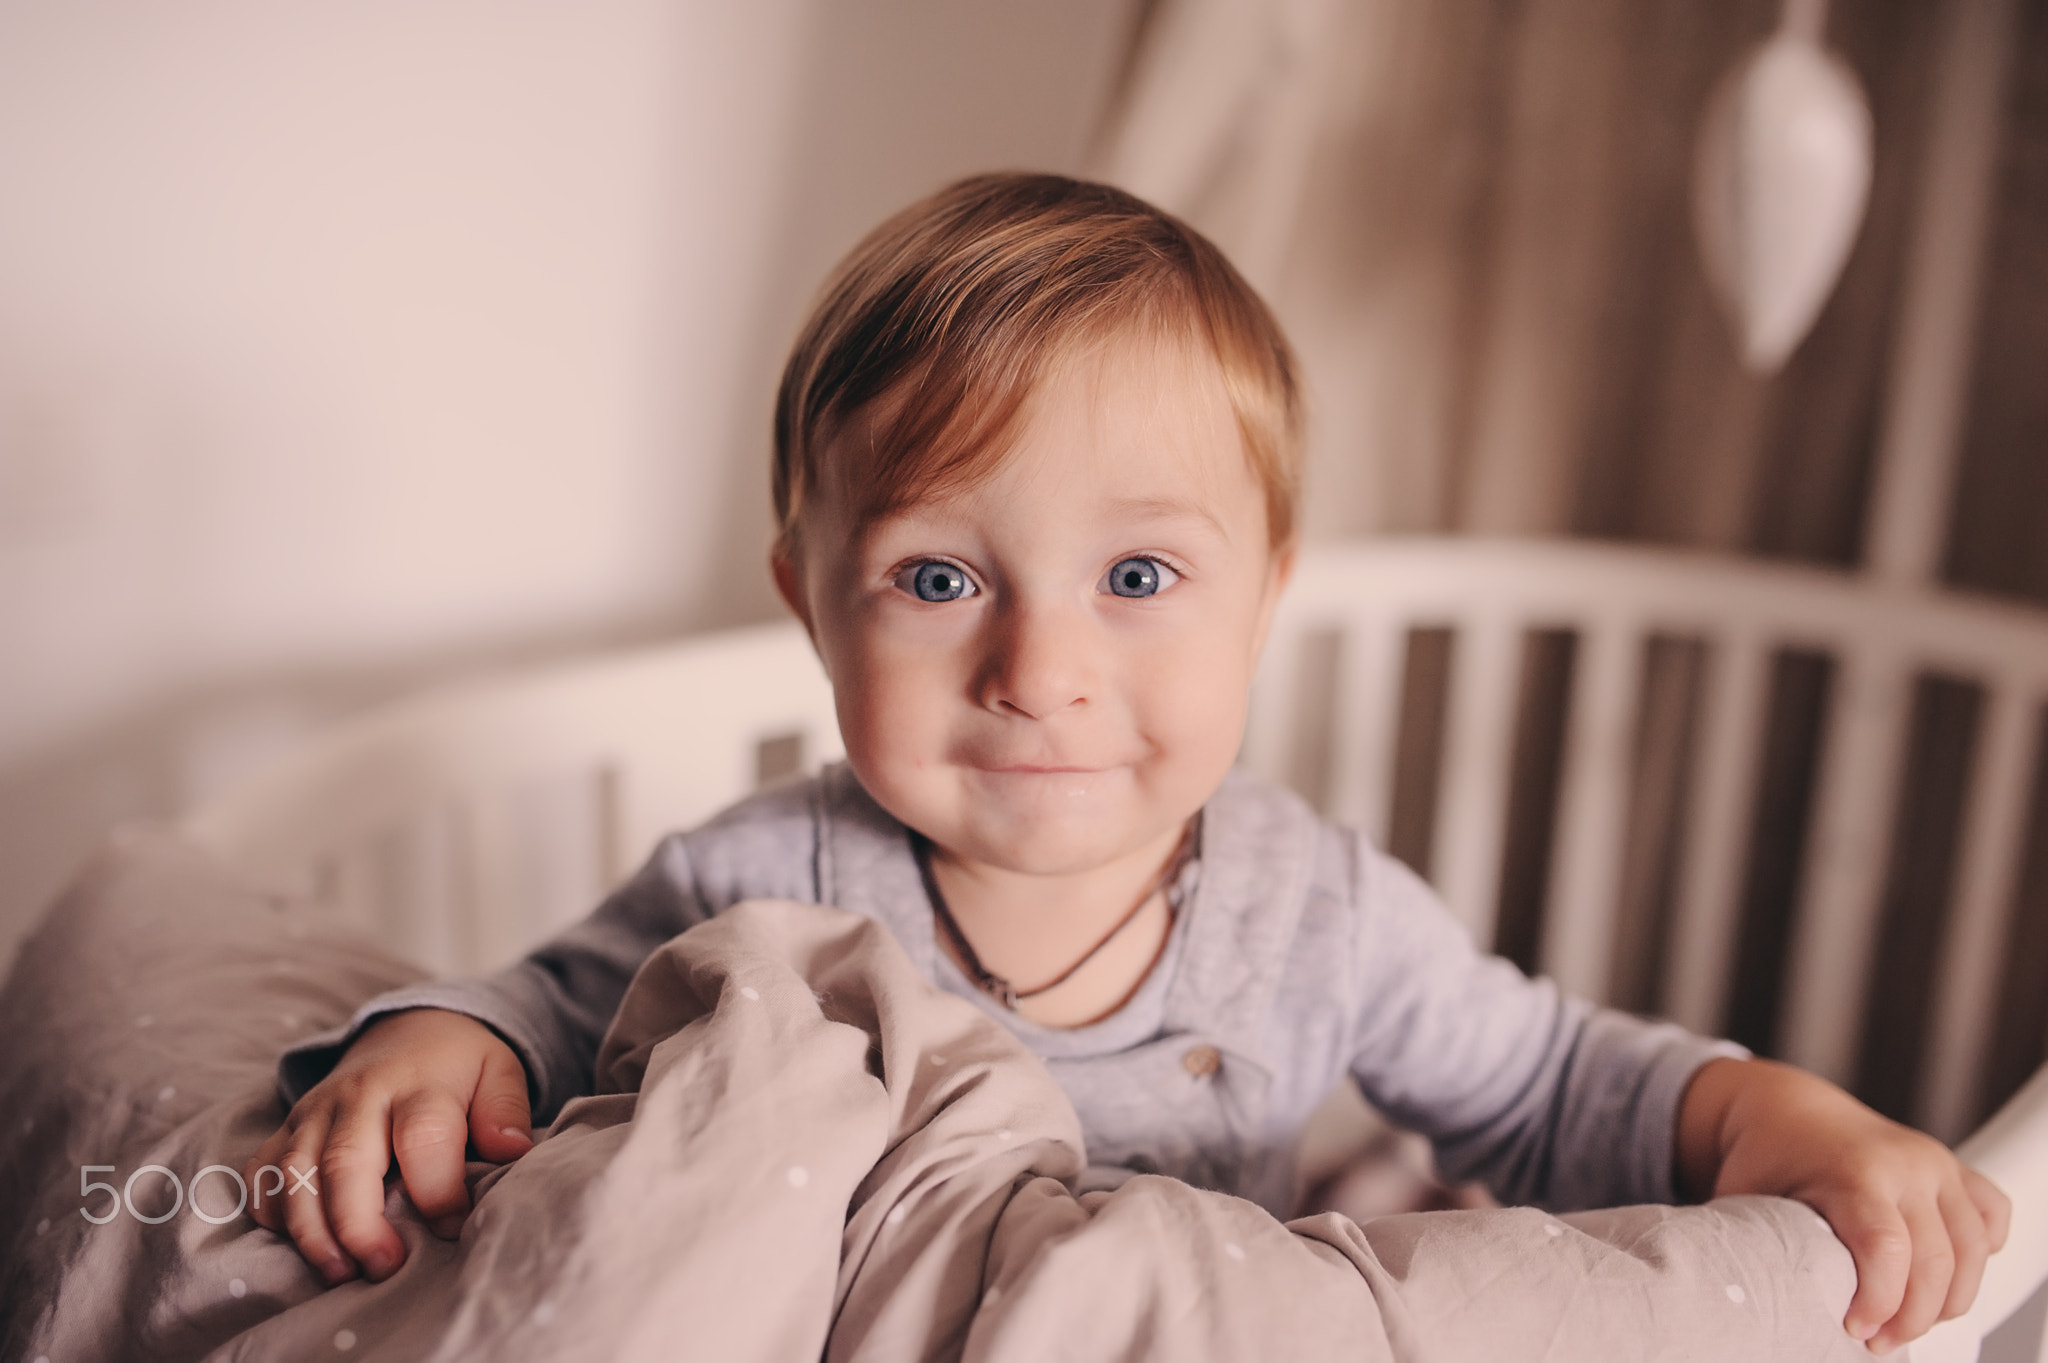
<point x="422" y="1085"/>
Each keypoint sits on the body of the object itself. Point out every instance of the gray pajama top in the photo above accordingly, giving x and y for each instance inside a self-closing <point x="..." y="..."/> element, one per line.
<point x="1300" y="954"/>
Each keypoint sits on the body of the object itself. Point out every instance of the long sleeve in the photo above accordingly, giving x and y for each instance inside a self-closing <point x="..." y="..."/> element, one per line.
<point x="1545" y="1098"/>
<point x="551" y="1007"/>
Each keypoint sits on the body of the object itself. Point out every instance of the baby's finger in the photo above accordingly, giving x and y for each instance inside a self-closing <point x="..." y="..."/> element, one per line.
<point x="429" y="1130"/>
<point x="499" y="1121"/>
<point x="1993" y="1203"/>
<point x="305" y="1220"/>
<point x="352" y="1170"/>
<point x="263" y="1198"/>
<point x="1876" y="1236"/>
<point x="1972" y="1242"/>
<point x="1934" y="1266"/>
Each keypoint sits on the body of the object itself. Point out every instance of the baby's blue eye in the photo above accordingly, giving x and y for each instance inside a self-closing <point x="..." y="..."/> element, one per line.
<point x="1140" y="577"/>
<point x="939" y="582"/>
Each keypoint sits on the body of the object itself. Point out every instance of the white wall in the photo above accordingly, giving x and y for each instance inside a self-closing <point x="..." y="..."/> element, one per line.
<point x="344" y="345"/>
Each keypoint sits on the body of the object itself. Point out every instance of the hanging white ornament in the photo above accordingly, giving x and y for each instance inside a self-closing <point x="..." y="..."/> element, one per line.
<point x="1781" y="182"/>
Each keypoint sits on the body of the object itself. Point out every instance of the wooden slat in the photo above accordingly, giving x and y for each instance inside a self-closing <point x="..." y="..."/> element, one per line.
<point x="1472" y="800"/>
<point x="562" y="856"/>
<point x="1579" y="922"/>
<point x="408" y="875"/>
<point x="1712" y="856"/>
<point x="435" y="882"/>
<point x="1835" y="934"/>
<point x="1994" y="823"/>
<point x="490" y="926"/>
<point x="619" y="859"/>
<point x="1364" y="722"/>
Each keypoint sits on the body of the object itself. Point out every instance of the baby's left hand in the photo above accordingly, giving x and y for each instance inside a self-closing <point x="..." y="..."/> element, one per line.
<point x="1918" y="1223"/>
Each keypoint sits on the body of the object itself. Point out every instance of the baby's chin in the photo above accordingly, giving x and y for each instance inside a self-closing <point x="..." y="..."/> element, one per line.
<point x="1040" y="852"/>
<point x="1053" y="823"/>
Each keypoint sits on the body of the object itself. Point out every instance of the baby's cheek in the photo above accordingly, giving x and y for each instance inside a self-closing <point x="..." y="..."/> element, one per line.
<point x="1201" y="712"/>
<point x="1194" y="741"/>
<point x="897" y="750"/>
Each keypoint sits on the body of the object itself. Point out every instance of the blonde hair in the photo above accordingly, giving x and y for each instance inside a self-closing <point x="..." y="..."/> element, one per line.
<point x="935" y="328"/>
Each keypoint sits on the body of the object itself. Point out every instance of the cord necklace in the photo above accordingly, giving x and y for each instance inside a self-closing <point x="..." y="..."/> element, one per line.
<point x="995" y="985"/>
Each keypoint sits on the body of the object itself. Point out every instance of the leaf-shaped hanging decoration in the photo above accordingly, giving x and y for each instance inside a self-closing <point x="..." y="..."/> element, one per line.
<point x="1782" y="179"/>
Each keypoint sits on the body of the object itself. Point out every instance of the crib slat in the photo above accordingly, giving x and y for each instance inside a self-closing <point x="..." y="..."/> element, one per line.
<point x="442" y="925"/>
<point x="1364" y="724"/>
<point x="617" y="860"/>
<point x="1835" y="933"/>
<point x="1708" y="910"/>
<point x="487" y="924"/>
<point x="1579" y="923"/>
<point x="1478" y="748"/>
<point x="1994" y="822"/>
<point x="410" y="865"/>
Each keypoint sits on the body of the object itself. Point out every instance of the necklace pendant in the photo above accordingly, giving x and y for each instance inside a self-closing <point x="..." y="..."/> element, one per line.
<point x="1006" y="992"/>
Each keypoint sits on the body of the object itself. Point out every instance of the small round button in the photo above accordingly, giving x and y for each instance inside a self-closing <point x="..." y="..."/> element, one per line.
<point x="1202" y="1061"/>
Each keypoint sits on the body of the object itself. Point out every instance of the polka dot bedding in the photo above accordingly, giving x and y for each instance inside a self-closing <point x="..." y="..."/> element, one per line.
<point x="798" y="1149"/>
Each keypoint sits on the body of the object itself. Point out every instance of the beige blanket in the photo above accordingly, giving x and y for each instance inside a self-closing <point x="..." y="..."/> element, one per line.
<point x="800" y="1150"/>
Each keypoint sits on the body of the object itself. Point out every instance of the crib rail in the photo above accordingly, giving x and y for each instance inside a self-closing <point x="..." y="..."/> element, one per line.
<point x="1332" y="698"/>
<point x="467" y="823"/>
<point x="2009" y="1318"/>
<point x="1401" y="692"/>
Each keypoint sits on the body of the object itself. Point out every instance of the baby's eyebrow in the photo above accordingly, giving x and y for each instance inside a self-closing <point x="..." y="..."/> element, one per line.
<point x="1166" y="508"/>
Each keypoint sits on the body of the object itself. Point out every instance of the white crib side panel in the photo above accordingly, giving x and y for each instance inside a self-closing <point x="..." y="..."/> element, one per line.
<point x="661" y="738"/>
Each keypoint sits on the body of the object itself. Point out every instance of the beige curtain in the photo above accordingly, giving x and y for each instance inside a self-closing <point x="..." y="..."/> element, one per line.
<point x="1474" y="217"/>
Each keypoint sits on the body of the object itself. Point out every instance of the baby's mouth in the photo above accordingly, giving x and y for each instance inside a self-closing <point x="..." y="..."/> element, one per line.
<point x="1037" y="781"/>
<point x="1036" y="769"/>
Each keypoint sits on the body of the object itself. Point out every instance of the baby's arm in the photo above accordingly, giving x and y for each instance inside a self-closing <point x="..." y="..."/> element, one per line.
<point x="1547" y="1100"/>
<point x="1918" y="1222"/>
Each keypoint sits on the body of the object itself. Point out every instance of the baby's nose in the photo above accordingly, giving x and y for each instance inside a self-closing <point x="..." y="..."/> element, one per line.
<point x="1041" y="661"/>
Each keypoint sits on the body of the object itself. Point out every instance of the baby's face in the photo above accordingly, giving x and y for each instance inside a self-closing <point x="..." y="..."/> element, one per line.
<point x="1047" y="672"/>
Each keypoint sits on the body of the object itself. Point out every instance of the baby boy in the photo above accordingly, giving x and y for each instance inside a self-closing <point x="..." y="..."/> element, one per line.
<point x="1036" y="465"/>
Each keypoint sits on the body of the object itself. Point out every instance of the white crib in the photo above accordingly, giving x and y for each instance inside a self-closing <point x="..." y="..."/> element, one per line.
<point x="466" y="823"/>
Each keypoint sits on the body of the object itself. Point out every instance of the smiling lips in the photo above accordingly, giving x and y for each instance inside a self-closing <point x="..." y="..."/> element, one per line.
<point x="1028" y="769"/>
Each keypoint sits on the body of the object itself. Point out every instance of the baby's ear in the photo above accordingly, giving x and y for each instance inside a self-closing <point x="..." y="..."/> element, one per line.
<point x="1283" y="568"/>
<point x="1278" y="570"/>
<point x="789" y="584"/>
